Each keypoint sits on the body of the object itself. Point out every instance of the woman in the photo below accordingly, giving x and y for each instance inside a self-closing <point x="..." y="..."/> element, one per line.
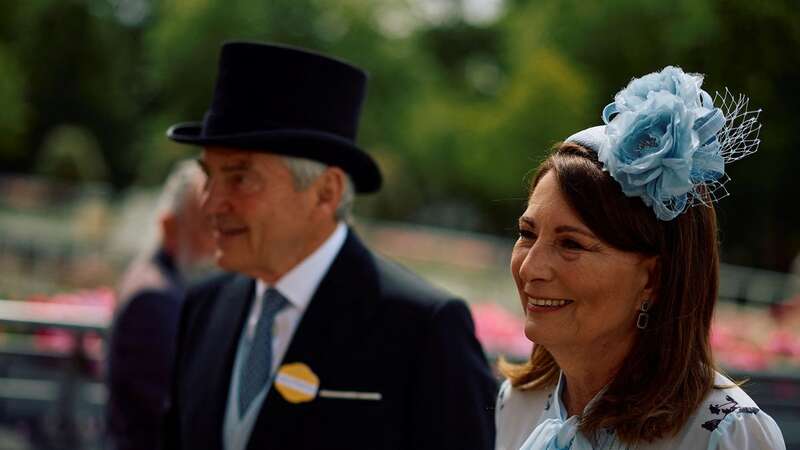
<point x="617" y="270"/>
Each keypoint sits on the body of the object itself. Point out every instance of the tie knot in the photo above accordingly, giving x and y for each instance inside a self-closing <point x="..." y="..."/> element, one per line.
<point x="274" y="301"/>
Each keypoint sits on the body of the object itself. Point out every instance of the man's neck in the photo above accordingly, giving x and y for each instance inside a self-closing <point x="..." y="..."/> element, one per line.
<point x="309" y="247"/>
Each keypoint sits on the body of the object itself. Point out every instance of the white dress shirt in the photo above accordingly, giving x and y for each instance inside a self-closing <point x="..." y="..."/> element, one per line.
<point x="298" y="286"/>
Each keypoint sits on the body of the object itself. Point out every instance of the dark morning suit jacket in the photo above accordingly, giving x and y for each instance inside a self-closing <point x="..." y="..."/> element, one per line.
<point x="141" y="351"/>
<point x="371" y="326"/>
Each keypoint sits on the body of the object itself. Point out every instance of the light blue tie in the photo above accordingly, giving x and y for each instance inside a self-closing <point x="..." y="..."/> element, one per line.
<point x="258" y="365"/>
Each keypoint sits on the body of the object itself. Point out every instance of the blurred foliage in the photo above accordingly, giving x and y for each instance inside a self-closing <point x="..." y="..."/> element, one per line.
<point x="71" y="153"/>
<point x="465" y="96"/>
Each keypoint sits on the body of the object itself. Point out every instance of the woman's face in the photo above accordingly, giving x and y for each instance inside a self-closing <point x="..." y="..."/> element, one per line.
<point x="577" y="291"/>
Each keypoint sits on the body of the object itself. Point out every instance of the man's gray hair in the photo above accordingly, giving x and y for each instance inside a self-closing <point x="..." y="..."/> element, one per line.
<point x="183" y="181"/>
<point x="304" y="171"/>
<point x="181" y="185"/>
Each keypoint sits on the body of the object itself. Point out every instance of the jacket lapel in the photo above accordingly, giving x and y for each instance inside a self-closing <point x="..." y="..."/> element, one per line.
<point x="344" y="288"/>
<point x="217" y="354"/>
<point x="344" y="298"/>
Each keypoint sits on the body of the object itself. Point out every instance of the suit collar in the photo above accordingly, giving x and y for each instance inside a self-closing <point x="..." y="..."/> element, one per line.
<point x="349" y="286"/>
<point x="344" y="299"/>
<point x="218" y="352"/>
<point x="300" y="283"/>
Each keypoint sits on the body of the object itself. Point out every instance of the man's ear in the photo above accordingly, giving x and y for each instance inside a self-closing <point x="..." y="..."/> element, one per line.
<point x="330" y="187"/>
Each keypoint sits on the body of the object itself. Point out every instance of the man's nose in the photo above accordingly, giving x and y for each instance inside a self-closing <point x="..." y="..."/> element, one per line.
<point x="214" y="199"/>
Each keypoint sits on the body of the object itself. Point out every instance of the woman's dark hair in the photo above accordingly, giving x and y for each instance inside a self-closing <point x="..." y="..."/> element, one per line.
<point x="669" y="369"/>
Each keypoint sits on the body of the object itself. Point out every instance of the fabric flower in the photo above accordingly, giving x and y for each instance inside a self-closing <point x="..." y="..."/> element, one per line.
<point x="671" y="80"/>
<point x="661" y="141"/>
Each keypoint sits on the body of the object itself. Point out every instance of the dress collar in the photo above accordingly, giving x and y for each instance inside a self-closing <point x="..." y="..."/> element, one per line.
<point x="557" y="402"/>
<point x="556" y="431"/>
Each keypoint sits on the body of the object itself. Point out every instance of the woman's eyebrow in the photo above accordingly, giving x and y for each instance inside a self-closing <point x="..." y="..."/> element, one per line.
<point x="528" y="221"/>
<point x="559" y="229"/>
<point x="571" y="229"/>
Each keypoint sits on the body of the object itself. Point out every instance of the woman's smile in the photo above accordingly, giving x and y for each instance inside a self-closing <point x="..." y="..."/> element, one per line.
<point x="539" y="305"/>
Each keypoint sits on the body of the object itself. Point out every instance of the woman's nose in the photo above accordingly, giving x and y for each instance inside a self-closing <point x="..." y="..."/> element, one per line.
<point x="537" y="263"/>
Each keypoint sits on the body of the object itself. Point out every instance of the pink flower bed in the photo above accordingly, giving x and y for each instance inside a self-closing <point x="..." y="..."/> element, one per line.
<point x="59" y="340"/>
<point x="500" y="332"/>
<point x="742" y="338"/>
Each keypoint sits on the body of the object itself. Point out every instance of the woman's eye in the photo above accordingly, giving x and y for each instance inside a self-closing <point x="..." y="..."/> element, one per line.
<point x="526" y="234"/>
<point x="570" y="244"/>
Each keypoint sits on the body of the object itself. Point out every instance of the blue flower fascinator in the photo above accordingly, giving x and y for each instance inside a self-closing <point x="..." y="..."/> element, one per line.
<point x="666" y="141"/>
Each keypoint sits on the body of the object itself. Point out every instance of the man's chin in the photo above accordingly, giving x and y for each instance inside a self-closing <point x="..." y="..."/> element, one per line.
<point x="226" y="262"/>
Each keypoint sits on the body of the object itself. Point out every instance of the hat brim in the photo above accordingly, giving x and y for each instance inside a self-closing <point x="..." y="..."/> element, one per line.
<point x="319" y="146"/>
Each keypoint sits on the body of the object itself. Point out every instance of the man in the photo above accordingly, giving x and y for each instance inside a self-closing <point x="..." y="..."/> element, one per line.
<point x="315" y="342"/>
<point x="141" y="349"/>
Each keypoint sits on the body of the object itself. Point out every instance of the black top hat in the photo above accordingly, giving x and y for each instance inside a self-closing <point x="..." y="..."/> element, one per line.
<point x="289" y="101"/>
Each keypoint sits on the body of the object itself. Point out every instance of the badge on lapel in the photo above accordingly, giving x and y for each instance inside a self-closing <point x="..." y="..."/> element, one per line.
<point x="297" y="383"/>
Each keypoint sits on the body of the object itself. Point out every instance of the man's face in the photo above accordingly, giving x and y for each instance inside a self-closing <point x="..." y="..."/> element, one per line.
<point x="262" y="225"/>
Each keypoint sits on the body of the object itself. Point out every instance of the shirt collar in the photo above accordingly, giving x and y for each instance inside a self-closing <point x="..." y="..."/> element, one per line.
<point x="555" y="398"/>
<point x="299" y="284"/>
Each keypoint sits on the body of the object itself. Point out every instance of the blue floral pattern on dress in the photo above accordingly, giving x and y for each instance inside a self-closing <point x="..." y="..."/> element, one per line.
<point x="726" y="408"/>
<point x="501" y="396"/>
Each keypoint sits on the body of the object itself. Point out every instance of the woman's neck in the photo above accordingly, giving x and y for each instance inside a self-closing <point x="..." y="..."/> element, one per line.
<point x="587" y="371"/>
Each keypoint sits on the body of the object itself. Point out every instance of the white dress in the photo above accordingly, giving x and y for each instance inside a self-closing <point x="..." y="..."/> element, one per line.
<point x="727" y="419"/>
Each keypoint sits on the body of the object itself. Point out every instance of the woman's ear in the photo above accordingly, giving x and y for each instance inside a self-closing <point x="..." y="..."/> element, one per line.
<point x="652" y="266"/>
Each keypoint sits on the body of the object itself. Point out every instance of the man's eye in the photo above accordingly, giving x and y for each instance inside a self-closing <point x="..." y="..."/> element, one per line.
<point x="237" y="181"/>
<point x="250" y="183"/>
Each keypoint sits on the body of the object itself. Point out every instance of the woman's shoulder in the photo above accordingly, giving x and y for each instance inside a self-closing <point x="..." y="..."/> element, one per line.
<point x="729" y="419"/>
<point x="510" y="400"/>
<point x="725" y="399"/>
<point x="517" y="412"/>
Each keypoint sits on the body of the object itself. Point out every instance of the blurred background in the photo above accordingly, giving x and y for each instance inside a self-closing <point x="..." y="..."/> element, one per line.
<point x="465" y="97"/>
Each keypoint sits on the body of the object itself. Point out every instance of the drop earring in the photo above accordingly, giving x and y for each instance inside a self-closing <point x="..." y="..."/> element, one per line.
<point x="641" y="321"/>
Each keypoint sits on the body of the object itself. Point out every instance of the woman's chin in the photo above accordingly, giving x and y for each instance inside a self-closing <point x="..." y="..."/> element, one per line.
<point x="533" y="333"/>
<point x="539" y="335"/>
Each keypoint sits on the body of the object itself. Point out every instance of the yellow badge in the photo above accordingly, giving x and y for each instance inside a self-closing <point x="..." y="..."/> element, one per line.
<point x="297" y="383"/>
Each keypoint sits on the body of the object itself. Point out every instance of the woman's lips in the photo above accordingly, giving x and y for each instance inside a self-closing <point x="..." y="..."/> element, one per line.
<point x="546" y="304"/>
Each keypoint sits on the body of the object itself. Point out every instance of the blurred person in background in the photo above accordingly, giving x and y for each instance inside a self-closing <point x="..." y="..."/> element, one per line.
<point x="617" y="270"/>
<point x="141" y="348"/>
<point x="315" y="342"/>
